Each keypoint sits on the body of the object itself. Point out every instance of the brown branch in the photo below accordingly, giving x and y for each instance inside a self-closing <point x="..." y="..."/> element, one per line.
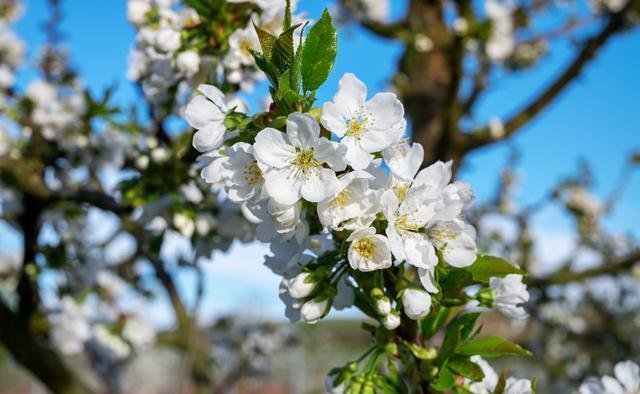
<point x="567" y="276"/>
<point x="483" y="137"/>
<point x="479" y="85"/>
<point x="396" y="31"/>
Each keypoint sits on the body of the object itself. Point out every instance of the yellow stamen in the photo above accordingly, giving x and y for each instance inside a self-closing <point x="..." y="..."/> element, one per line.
<point x="252" y="173"/>
<point x="305" y="161"/>
<point x="365" y="248"/>
<point x="342" y="199"/>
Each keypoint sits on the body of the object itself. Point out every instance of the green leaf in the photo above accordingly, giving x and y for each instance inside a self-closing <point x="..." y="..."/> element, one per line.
<point x="500" y="386"/>
<point x="267" y="40"/>
<point x="451" y="340"/>
<point x="284" y="83"/>
<point x="455" y="279"/>
<point x="296" y="67"/>
<point x="282" y="56"/>
<point x="444" y="381"/>
<point x="467" y="322"/>
<point x="286" y="23"/>
<point x="434" y="322"/>
<point x="199" y="5"/>
<point x="465" y="367"/>
<point x="491" y="347"/>
<point x="264" y="65"/>
<point x="486" y="267"/>
<point x="319" y="53"/>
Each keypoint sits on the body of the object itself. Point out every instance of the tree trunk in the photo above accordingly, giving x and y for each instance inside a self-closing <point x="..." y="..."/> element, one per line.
<point x="426" y="82"/>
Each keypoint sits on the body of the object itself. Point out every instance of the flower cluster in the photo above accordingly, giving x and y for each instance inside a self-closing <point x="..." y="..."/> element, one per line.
<point x="95" y="324"/>
<point x="177" y="46"/>
<point x="12" y="48"/>
<point x="626" y="380"/>
<point x="351" y="216"/>
<point x="155" y="61"/>
<point x="295" y="180"/>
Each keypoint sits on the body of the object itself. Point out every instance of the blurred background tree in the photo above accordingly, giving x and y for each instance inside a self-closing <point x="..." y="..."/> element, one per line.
<point x="59" y="167"/>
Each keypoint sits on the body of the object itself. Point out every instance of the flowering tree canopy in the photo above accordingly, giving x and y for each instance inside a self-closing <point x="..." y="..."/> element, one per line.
<point x="356" y="197"/>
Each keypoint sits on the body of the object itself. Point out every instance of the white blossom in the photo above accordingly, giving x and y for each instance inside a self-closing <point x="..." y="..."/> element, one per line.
<point x="391" y="321"/>
<point x="137" y="11"/>
<point x="352" y="207"/>
<point x="240" y="42"/>
<point x="313" y="310"/>
<point x="368" y="251"/>
<point x="139" y="332"/>
<point x="244" y="179"/>
<point x="417" y="303"/>
<point x="517" y="386"/>
<point x="188" y="62"/>
<point x="364" y="127"/>
<point x="295" y="160"/>
<point x="501" y="43"/>
<point x="70" y="327"/>
<point x="111" y="283"/>
<point x="302" y="285"/>
<point x="206" y="113"/>
<point x="167" y="40"/>
<point x="383" y="305"/>
<point x="509" y="293"/>
<point x="110" y="345"/>
<point x="626" y="380"/>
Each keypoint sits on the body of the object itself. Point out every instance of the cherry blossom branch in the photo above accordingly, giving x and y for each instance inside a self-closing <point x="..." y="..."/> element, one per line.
<point x="483" y="136"/>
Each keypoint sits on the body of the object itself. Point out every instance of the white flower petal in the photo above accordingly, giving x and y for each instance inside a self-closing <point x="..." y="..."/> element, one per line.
<point x="387" y="111"/>
<point x="352" y="94"/>
<point x="358" y="158"/>
<point x="332" y="153"/>
<point x="461" y="251"/>
<point x="200" y="112"/>
<point x="272" y="148"/>
<point x="628" y="374"/>
<point x="320" y="185"/>
<point x="215" y="95"/>
<point x="303" y="130"/>
<point x="209" y="137"/>
<point x="282" y="186"/>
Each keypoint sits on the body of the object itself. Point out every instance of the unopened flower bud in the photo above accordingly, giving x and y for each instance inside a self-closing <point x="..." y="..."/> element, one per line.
<point x="314" y="310"/>
<point x="416" y="303"/>
<point x="391" y="321"/>
<point x="302" y="285"/>
<point x="383" y="305"/>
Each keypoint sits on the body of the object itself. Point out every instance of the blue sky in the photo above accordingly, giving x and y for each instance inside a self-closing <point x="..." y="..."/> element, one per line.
<point x="596" y="118"/>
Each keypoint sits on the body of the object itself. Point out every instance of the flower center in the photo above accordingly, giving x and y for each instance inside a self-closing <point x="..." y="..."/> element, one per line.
<point x="440" y="234"/>
<point x="252" y="173"/>
<point x="365" y="248"/>
<point x="402" y="223"/>
<point x="401" y="190"/>
<point x="358" y="124"/>
<point x="342" y="199"/>
<point x="305" y="161"/>
<point x="245" y="45"/>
